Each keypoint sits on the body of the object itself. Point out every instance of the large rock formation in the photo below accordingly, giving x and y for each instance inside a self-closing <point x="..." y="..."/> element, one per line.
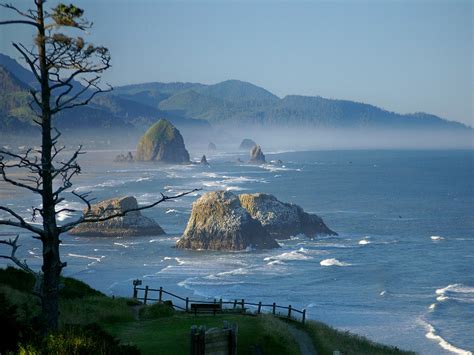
<point x="256" y="156"/>
<point x="211" y="146"/>
<point x="218" y="222"/>
<point x="132" y="224"/>
<point x="283" y="220"/>
<point x="162" y="142"/>
<point x="247" y="144"/>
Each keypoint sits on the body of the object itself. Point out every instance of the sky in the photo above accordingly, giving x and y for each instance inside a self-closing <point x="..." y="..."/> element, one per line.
<point x="401" y="55"/>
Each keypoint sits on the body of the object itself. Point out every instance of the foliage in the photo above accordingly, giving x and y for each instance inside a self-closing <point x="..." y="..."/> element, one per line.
<point x="156" y="310"/>
<point x="79" y="340"/>
<point x="96" y="309"/>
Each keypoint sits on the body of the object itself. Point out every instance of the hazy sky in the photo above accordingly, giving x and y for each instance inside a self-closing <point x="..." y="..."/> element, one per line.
<point x="404" y="56"/>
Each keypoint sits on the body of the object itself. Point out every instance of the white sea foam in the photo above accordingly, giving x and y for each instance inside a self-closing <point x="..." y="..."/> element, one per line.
<point x="300" y="254"/>
<point x="364" y="242"/>
<point x="171" y="210"/>
<point x="436" y="237"/>
<point x="275" y="262"/>
<point x="456" y="292"/>
<point x="178" y="260"/>
<point x="431" y="334"/>
<point x="98" y="259"/>
<point x="383" y="293"/>
<point x="333" y="262"/>
<point x="122" y="245"/>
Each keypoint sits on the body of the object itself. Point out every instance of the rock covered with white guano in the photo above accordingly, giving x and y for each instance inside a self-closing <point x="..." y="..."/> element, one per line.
<point x="132" y="224"/>
<point x="218" y="222"/>
<point x="281" y="219"/>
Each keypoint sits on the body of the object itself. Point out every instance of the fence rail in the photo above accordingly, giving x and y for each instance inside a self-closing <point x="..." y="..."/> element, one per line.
<point x="238" y="304"/>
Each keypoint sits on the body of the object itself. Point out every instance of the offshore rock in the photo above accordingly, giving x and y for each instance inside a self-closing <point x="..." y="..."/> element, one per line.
<point x="211" y="146"/>
<point x="247" y="144"/>
<point x="162" y="142"/>
<point x="203" y="160"/>
<point x="124" y="158"/>
<point x="132" y="224"/>
<point x="256" y="155"/>
<point x="218" y="222"/>
<point x="283" y="220"/>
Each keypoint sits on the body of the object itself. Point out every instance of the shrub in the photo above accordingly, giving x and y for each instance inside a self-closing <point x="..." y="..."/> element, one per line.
<point x="157" y="310"/>
<point x="79" y="340"/>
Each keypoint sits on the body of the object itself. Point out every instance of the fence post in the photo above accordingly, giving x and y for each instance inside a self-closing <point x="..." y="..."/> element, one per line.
<point x="235" y="304"/>
<point x="243" y="304"/>
<point x="220" y="302"/>
<point x="146" y="294"/>
<point x="289" y="311"/>
<point x="202" y="340"/>
<point x="233" y="340"/>
<point x="135" y="291"/>
<point x="274" y="308"/>
<point x="187" y="304"/>
<point x="259" y="307"/>
<point x="194" y="338"/>
<point x="304" y="315"/>
<point x="161" y="294"/>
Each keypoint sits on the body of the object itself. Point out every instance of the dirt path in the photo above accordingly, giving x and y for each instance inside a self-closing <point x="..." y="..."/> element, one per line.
<point x="303" y="340"/>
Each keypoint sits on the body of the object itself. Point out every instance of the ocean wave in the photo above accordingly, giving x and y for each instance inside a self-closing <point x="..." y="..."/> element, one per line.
<point x="333" y="262"/>
<point x="456" y="292"/>
<point x="431" y="334"/>
<point x="178" y="260"/>
<point x="300" y="254"/>
<point x="436" y="237"/>
<point x="364" y="242"/>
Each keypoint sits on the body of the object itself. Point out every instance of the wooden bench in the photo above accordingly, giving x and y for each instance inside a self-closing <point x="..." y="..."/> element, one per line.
<point x="206" y="308"/>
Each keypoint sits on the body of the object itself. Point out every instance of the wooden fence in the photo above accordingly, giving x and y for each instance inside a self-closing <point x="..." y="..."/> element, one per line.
<point x="147" y="294"/>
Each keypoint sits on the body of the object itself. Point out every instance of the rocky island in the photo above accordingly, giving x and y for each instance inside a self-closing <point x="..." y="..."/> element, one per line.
<point x="257" y="156"/>
<point x="162" y="142"/>
<point x="132" y="224"/>
<point x="219" y="222"/>
<point x="283" y="220"/>
<point x="247" y="144"/>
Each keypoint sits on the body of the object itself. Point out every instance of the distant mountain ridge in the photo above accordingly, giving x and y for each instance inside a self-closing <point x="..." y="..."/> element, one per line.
<point x="228" y="103"/>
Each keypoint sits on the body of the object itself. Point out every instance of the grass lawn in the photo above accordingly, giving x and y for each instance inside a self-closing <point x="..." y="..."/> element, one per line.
<point x="171" y="335"/>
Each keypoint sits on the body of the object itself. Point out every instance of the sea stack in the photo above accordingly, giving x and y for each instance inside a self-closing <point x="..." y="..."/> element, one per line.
<point x="218" y="222"/>
<point x="211" y="146"/>
<point x="283" y="220"/>
<point x="162" y="142"/>
<point x="132" y="224"/>
<point x="256" y="156"/>
<point x="247" y="144"/>
<point x="204" y="160"/>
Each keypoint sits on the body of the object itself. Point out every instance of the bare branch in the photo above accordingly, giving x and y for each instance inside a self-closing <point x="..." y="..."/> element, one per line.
<point x="29" y="15"/>
<point x="23" y="22"/>
<point x="21" y="223"/>
<point x="22" y="264"/>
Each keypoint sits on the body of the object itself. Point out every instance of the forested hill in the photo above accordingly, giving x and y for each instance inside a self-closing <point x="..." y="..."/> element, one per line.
<point x="229" y="103"/>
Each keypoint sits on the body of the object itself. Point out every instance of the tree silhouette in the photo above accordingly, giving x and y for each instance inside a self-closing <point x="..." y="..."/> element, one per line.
<point x="68" y="72"/>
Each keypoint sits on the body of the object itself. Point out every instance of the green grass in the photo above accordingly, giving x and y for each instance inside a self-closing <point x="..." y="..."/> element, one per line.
<point x="171" y="335"/>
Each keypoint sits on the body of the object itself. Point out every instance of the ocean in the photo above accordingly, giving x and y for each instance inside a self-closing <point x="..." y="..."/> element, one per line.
<point x="400" y="271"/>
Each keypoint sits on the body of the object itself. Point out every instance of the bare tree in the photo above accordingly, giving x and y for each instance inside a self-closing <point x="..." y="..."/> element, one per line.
<point x="59" y="62"/>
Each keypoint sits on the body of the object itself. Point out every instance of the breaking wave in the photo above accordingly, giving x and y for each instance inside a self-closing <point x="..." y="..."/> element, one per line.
<point x="333" y="262"/>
